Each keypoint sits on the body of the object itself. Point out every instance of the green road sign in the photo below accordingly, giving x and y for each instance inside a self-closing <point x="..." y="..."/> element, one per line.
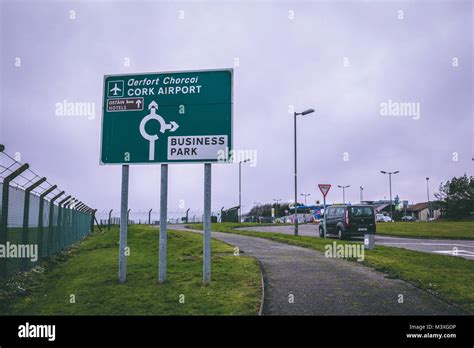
<point x="168" y="117"/>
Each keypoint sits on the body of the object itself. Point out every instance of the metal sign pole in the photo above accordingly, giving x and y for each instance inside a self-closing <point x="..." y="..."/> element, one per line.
<point x="206" y="276"/>
<point x="324" y="223"/>
<point x="163" y="223"/>
<point x="123" y="225"/>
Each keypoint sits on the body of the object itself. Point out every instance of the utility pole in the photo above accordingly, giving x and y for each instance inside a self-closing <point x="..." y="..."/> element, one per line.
<point x="305" y="195"/>
<point x="390" y="184"/>
<point x="240" y="188"/>
<point x="428" y="194"/>
<point x="344" y="192"/>
<point x="306" y="112"/>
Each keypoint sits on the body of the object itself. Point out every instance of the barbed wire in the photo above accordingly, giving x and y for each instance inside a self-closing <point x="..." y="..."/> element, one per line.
<point x="26" y="178"/>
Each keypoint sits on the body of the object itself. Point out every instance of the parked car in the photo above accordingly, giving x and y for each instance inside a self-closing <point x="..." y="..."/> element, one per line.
<point x="383" y="218"/>
<point x="250" y="219"/>
<point x="408" y="218"/>
<point x="346" y="221"/>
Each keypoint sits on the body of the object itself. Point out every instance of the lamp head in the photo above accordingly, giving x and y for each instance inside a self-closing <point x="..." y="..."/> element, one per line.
<point x="309" y="111"/>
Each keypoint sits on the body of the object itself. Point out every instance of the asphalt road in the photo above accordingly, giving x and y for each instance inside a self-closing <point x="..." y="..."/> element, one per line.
<point x="456" y="247"/>
<point x="300" y="281"/>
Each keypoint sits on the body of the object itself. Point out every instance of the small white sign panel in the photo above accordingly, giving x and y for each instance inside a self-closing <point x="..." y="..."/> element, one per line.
<point x="202" y="147"/>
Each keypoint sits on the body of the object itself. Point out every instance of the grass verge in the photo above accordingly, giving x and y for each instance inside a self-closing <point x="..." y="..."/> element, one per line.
<point x="447" y="277"/>
<point x="89" y="271"/>
<point x="433" y="229"/>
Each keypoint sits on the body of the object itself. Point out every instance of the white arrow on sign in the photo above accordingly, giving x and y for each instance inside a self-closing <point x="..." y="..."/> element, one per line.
<point x="172" y="126"/>
<point x="138" y="102"/>
<point x="153" y="105"/>
<point x="324" y="189"/>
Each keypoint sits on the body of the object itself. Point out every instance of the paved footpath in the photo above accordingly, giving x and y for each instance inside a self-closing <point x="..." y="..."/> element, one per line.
<point x="327" y="286"/>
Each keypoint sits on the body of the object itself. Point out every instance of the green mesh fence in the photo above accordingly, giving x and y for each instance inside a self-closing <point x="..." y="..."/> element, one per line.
<point x="30" y="238"/>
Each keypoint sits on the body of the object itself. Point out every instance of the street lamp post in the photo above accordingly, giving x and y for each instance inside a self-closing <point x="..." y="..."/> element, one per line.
<point x="390" y="185"/>
<point x="428" y="194"/>
<point x="306" y="112"/>
<point x="240" y="188"/>
<point x="361" y="190"/>
<point x="305" y="195"/>
<point x="343" y="192"/>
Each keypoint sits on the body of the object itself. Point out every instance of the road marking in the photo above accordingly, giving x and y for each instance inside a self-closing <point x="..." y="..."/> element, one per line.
<point x="439" y="244"/>
<point x="464" y="253"/>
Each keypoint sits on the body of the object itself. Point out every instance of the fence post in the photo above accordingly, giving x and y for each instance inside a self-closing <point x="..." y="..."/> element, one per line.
<point x="68" y="233"/>
<point x="72" y="222"/>
<point x="26" y="217"/>
<point x="92" y="220"/>
<point x="75" y="217"/>
<point x="40" y="219"/>
<point x="4" y="216"/>
<point x="51" y="222"/>
<point x="110" y="216"/>
<point x="57" y="241"/>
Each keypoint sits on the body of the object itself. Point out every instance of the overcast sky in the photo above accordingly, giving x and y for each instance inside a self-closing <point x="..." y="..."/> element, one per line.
<point x="344" y="59"/>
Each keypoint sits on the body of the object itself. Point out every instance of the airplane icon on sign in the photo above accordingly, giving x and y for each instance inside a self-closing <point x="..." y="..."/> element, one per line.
<point x="116" y="89"/>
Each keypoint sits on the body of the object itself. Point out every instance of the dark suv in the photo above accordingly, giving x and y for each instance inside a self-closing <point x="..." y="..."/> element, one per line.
<point x="346" y="221"/>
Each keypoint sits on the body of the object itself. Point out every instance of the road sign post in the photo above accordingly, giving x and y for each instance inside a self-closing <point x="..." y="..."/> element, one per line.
<point x="169" y="117"/>
<point x="163" y="223"/>
<point x="324" y="190"/>
<point x="123" y="226"/>
<point x="324" y="222"/>
<point x="207" y="225"/>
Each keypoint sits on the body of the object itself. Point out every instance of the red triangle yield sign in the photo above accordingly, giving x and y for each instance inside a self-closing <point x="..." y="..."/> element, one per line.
<point x="324" y="189"/>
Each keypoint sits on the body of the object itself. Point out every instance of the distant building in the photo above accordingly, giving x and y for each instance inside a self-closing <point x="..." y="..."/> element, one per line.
<point x="380" y="207"/>
<point x="421" y="211"/>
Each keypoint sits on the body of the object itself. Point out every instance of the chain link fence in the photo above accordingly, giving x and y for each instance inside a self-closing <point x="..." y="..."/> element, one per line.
<point x="150" y="217"/>
<point x="37" y="220"/>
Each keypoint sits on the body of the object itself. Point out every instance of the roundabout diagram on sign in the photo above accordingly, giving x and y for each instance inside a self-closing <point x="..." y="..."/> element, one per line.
<point x="172" y="126"/>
